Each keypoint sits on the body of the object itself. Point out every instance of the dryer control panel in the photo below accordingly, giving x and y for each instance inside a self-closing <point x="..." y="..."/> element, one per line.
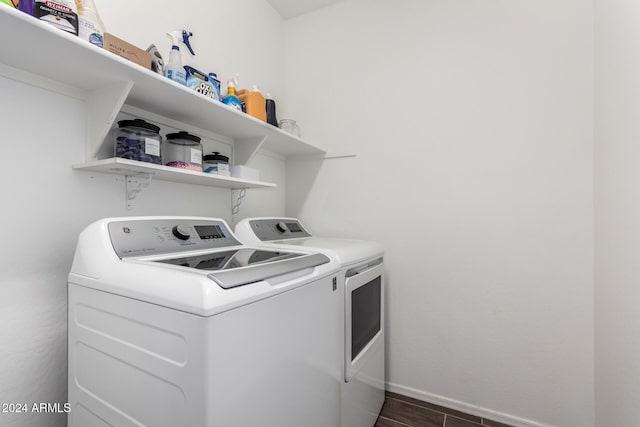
<point x="144" y="237"/>
<point x="278" y="229"/>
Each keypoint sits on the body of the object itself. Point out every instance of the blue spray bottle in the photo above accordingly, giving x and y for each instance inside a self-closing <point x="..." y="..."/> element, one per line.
<point x="174" y="69"/>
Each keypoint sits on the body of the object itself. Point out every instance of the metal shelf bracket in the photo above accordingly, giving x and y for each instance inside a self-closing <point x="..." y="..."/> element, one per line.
<point x="134" y="184"/>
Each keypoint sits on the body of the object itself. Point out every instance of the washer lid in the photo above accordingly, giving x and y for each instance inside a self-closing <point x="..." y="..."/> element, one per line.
<point x="244" y="276"/>
<point x="290" y="234"/>
<point x="346" y="251"/>
<point x="245" y="266"/>
<point x="226" y="260"/>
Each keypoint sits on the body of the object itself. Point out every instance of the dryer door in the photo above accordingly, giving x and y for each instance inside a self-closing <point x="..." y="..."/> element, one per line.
<point x="364" y="314"/>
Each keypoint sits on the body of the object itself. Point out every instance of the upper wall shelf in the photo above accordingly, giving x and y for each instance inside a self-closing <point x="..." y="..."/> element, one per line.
<point x="38" y="48"/>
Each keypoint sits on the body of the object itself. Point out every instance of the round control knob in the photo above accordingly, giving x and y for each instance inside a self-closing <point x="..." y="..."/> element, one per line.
<point x="181" y="232"/>
<point x="282" y="227"/>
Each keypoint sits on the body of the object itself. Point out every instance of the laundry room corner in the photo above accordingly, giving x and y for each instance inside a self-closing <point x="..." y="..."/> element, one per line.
<point x="617" y="224"/>
<point x="472" y="129"/>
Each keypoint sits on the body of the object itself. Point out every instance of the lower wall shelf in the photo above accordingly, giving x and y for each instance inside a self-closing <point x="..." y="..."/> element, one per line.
<point x="126" y="167"/>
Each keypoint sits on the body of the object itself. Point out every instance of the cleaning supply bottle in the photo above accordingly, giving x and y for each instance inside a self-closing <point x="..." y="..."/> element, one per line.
<point x="271" y="110"/>
<point x="174" y="69"/>
<point x="253" y="102"/>
<point x="90" y="26"/>
<point x="232" y="99"/>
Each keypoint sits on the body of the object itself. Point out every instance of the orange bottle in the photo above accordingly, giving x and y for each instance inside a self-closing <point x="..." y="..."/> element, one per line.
<point x="254" y="102"/>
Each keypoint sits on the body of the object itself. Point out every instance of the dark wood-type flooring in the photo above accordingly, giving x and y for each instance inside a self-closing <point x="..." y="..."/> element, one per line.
<point x="403" y="411"/>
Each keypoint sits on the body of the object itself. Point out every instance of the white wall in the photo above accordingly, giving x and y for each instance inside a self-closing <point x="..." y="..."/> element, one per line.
<point x="472" y="123"/>
<point x="617" y="213"/>
<point x="46" y="204"/>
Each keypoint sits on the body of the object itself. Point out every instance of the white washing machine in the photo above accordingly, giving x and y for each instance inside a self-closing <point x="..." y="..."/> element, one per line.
<point x="361" y="282"/>
<point x="173" y="322"/>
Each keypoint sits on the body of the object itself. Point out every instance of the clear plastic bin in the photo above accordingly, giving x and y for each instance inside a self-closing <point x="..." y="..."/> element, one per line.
<point x="183" y="150"/>
<point x="138" y="140"/>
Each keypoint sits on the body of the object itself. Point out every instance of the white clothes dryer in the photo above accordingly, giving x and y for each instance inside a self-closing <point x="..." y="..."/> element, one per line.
<point x="361" y="283"/>
<point x="173" y="322"/>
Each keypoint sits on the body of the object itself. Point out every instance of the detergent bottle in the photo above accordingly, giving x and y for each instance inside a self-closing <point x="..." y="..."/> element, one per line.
<point x="232" y="99"/>
<point x="174" y="69"/>
<point x="270" y="106"/>
<point x="254" y="102"/>
<point x="90" y="26"/>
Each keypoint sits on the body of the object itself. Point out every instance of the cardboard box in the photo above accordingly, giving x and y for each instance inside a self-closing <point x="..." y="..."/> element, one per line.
<point x="126" y="50"/>
<point x="244" y="172"/>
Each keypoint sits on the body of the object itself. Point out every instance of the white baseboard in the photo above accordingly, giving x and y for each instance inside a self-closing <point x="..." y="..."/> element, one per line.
<point x="464" y="407"/>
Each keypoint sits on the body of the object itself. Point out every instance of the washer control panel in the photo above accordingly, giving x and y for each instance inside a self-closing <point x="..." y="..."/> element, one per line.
<point x="278" y="229"/>
<point x="141" y="237"/>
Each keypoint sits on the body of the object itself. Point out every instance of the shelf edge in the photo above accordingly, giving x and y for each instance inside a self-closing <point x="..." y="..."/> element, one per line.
<point x="125" y="167"/>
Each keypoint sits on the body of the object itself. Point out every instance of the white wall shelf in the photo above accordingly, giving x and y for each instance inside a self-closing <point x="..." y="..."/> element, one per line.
<point x="126" y="167"/>
<point x="107" y="82"/>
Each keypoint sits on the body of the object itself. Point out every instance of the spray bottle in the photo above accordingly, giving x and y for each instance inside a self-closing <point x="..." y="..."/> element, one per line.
<point x="232" y="99"/>
<point x="174" y="69"/>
